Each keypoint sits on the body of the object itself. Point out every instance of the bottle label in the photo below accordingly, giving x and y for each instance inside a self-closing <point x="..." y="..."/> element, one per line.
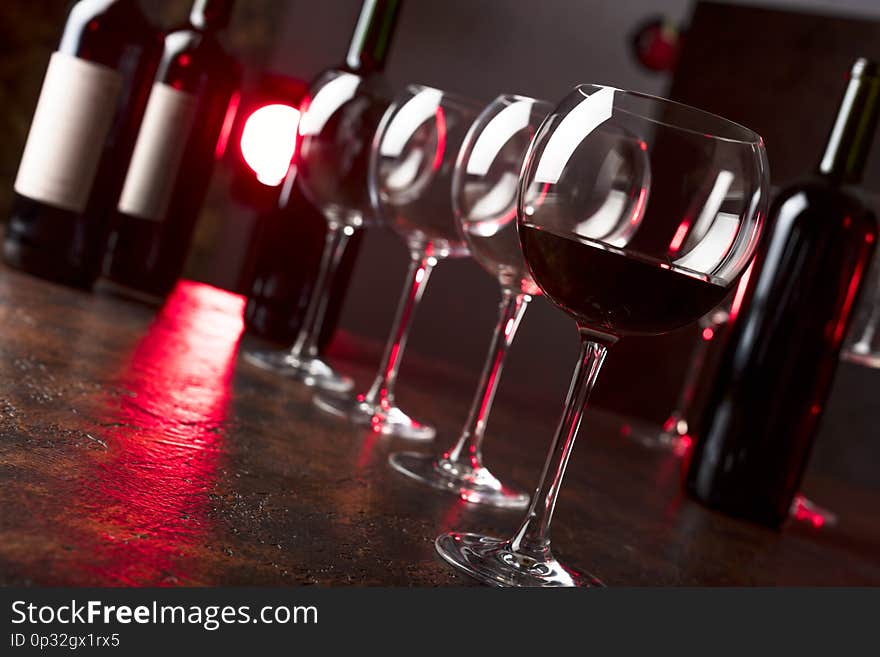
<point x="68" y="132"/>
<point x="158" y="152"/>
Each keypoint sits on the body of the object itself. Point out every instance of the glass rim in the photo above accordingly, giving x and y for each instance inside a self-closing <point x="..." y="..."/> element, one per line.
<point x="486" y="115"/>
<point x="467" y="101"/>
<point x="749" y="136"/>
<point x="520" y="98"/>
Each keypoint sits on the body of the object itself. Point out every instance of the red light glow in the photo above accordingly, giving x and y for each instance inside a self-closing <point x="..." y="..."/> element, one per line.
<point x="683" y="445"/>
<point x="226" y="128"/>
<point x="441" y="139"/>
<point x="740" y="294"/>
<point x="639" y="210"/>
<point x="680" y="233"/>
<point x="851" y="291"/>
<point x="803" y="510"/>
<point x="268" y="142"/>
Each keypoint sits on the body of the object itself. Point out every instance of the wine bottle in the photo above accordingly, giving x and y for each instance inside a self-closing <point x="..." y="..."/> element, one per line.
<point x="788" y="319"/>
<point x="291" y="238"/>
<point x="80" y="141"/>
<point x="181" y="137"/>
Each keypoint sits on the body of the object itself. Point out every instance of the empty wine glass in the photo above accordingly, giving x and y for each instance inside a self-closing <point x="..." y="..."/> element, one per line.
<point x="410" y="171"/>
<point x="484" y="189"/>
<point x="339" y="119"/>
<point x="674" y="435"/>
<point x="863" y="342"/>
<point x="616" y="172"/>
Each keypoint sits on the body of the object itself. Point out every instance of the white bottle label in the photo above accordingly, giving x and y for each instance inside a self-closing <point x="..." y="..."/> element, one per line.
<point x="157" y="154"/>
<point x="68" y="133"/>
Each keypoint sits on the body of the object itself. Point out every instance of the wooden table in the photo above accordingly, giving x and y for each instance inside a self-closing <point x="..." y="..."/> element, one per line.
<point x="137" y="449"/>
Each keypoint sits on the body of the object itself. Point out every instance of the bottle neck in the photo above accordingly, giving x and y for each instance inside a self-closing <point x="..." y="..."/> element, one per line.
<point x="853" y="131"/>
<point x="372" y="36"/>
<point x="77" y="28"/>
<point x="211" y="15"/>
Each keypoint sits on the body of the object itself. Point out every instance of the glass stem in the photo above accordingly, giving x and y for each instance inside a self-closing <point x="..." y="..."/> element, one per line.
<point x="709" y="326"/>
<point x="306" y="344"/>
<point x="469" y="446"/>
<point x="533" y="537"/>
<point x="420" y="268"/>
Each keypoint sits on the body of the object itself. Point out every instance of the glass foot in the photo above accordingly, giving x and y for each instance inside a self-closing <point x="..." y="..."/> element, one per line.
<point x="313" y="372"/>
<point x="672" y="437"/>
<point x="805" y="510"/>
<point x="381" y="418"/>
<point x="491" y="561"/>
<point x="476" y="485"/>
<point x="862" y="356"/>
<point x="662" y="440"/>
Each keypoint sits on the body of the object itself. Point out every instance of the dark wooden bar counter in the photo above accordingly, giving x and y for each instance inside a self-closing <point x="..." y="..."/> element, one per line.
<point x="137" y="449"/>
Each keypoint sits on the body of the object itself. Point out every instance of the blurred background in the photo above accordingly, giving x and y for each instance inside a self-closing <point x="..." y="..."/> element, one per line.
<point x="778" y="70"/>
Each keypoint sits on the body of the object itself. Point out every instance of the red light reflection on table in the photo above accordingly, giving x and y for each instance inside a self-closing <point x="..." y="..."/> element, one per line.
<point x="367" y="450"/>
<point x="150" y="498"/>
<point x="454" y="515"/>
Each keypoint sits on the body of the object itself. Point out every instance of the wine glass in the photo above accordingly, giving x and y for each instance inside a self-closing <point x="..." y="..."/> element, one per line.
<point x="484" y="189"/>
<point x="863" y="342"/>
<point x="410" y="171"/>
<point x="606" y="245"/>
<point x="339" y="119"/>
<point x="674" y="435"/>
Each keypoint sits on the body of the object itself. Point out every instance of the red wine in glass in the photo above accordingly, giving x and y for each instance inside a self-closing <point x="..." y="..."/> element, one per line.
<point x="616" y="292"/>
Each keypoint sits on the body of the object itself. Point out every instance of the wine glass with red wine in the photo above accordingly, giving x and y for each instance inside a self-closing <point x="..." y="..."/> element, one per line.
<point x="484" y="191"/>
<point x="339" y="119"/>
<point x="410" y="172"/>
<point x="648" y="213"/>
